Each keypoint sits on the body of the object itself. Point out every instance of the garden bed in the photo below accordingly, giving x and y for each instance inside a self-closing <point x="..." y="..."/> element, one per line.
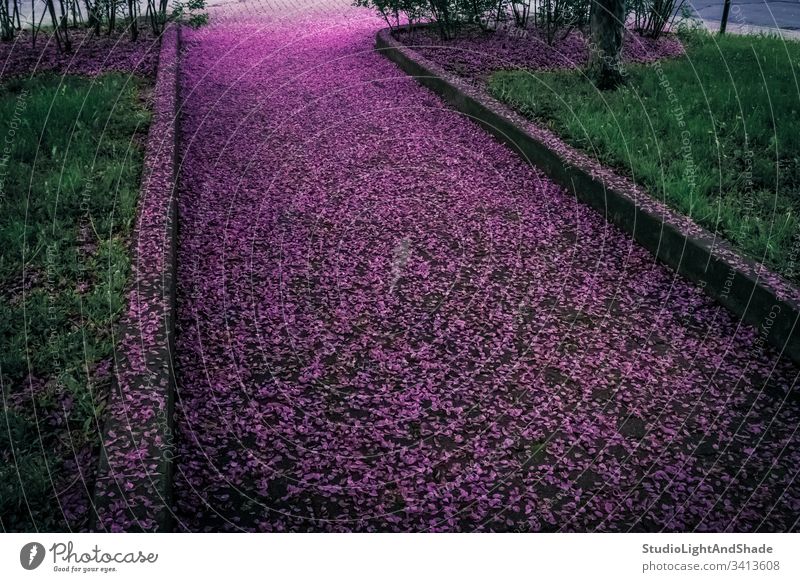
<point x="74" y="126"/>
<point x="713" y="134"/>
<point x="477" y="54"/>
<point x="69" y="194"/>
<point x="92" y="54"/>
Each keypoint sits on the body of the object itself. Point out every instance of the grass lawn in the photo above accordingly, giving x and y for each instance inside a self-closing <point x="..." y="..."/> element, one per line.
<point x="716" y="134"/>
<point x="70" y="163"/>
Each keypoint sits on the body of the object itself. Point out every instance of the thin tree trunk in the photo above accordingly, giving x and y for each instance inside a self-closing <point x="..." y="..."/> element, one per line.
<point x="52" y="10"/>
<point x="98" y="17"/>
<point x="92" y="14"/>
<point x="605" y="47"/>
<point x="35" y="27"/>
<point x="112" y="18"/>
<point x="162" y="15"/>
<point x="7" y="32"/>
<point x="133" y="17"/>
<point x="17" y="10"/>
<point x="64" y="25"/>
<point x="725" y="12"/>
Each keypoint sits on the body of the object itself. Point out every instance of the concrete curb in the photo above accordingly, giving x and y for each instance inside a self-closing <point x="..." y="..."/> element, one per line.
<point x="750" y="290"/>
<point x="736" y="28"/>
<point x="133" y="490"/>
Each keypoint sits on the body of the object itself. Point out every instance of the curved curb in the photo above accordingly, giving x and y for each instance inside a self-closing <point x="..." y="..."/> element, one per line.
<point x="750" y="290"/>
<point x="133" y="490"/>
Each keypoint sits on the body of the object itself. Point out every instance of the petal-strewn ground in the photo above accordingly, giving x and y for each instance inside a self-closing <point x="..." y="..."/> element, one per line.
<point x="388" y="321"/>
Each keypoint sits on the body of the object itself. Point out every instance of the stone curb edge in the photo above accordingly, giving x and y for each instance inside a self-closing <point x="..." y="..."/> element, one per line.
<point x="747" y="288"/>
<point x="133" y="488"/>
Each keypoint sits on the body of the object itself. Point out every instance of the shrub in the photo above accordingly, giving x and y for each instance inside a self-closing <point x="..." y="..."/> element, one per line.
<point x="451" y="16"/>
<point x="559" y="17"/>
<point x="391" y="10"/>
<point x="651" y="17"/>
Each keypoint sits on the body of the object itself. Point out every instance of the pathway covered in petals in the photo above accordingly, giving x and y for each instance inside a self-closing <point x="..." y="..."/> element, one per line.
<point x="389" y="321"/>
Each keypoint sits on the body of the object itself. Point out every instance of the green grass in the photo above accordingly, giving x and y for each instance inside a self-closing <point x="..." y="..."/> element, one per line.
<point x="69" y="189"/>
<point x="715" y="134"/>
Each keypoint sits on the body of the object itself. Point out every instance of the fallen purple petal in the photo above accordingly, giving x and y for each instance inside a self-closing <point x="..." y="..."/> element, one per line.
<point x="389" y="322"/>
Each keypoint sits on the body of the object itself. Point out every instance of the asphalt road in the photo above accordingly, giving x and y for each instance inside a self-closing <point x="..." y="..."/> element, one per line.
<point x="768" y="13"/>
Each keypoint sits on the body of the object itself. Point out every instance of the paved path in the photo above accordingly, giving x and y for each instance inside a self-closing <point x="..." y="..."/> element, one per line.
<point x="387" y="321"/>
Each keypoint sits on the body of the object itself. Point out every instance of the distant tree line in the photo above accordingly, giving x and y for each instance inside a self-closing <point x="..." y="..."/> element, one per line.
<point x="100" y="16"/>
<point x="555" y="18"/>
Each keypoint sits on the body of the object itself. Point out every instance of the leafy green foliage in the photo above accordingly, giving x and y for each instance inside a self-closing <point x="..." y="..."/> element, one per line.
<point x="559" y="17"/>
<point x="70" y="180"/>
<point x="716" y="134"/>
<point x="449" y="16"/>
<point x="191" y="12"/>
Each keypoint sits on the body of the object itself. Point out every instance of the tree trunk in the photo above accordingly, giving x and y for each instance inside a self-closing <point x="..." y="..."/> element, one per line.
<point x="52" y="10"/>
<point x="6" y="24"/>
<point x="605" y="47"/>
<point x="64" y="25"/>
<point x="132" y="11"/>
